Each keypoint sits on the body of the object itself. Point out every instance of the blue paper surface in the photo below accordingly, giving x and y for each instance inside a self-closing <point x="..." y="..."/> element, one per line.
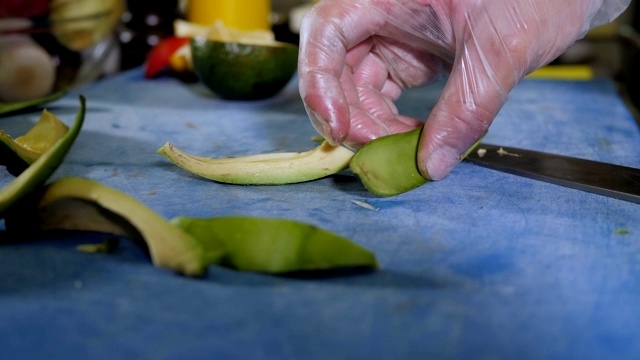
<point x="480" y="265"/>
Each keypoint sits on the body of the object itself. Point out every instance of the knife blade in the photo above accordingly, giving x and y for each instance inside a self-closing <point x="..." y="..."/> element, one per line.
<point x="616" y="181"/>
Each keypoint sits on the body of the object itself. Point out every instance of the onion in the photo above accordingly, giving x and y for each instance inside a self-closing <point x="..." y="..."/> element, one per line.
<point x="27" y="71"/>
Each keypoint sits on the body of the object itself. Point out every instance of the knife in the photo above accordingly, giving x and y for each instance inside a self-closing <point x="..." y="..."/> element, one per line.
<point x="616" y="181"/>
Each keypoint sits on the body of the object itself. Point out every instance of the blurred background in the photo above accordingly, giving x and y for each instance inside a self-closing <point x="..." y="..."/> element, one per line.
<point x="100" y="46"/>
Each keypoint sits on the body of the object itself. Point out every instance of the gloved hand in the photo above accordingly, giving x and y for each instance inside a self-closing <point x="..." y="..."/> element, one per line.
<point x="356" y="57"/>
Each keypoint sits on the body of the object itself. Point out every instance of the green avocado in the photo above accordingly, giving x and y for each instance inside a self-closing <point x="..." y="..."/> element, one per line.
<point x="244" y="71"/>
<point x="16" y="106"/>
<point x="388" y="165"/>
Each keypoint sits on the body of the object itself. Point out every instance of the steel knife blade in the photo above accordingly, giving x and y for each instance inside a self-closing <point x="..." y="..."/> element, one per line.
<point x="616" y="181"/>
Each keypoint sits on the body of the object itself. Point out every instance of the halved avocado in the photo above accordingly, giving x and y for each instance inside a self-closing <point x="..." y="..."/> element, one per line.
<point x="244" y="71"/>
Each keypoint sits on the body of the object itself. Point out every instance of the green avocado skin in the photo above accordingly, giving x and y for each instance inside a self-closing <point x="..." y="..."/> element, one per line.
<point x="6" y="108"/>
<point x="272" y="245"/>
<point x="39" y="171"/>
<point x="388" y="166"/>
<point x="237" y="71"/>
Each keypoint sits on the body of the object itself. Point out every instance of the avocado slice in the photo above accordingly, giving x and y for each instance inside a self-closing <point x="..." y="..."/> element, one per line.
<point x="387" y="166"/>
<point x="40" y="170"/>
<point x="169" y="246"/>
<point x="273" y="245"/>
<point x="264" y="169"/>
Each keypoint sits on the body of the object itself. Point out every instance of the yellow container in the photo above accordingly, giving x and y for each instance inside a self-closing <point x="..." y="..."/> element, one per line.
<point x="563" y="72"/>
<point x="239" y="14"/>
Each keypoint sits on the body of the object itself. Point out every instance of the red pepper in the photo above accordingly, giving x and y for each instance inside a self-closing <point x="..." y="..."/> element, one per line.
<point x="158" y="58"/>
<point x="23" y="8"/>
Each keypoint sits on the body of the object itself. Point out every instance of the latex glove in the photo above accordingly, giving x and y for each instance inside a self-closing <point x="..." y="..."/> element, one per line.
<point x="356" y="57"/>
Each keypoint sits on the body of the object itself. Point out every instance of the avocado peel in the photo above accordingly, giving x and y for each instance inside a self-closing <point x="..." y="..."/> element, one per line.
<point x="41" y="169"/>
<point x="31" y="145"/>
<point x="387" y="166"/>
<point x="6" y="108"/>
<point x="168" y="246"/>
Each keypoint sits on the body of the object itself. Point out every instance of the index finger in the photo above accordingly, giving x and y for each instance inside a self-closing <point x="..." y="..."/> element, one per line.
<point x="331" y="42"/>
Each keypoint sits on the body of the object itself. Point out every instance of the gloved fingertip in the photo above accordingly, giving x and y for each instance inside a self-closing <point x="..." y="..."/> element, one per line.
<point x="323" y="128"/>
<point x="439" y="163"/>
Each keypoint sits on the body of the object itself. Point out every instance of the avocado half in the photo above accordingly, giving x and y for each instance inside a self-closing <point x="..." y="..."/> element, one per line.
<point x="244" y="71"/>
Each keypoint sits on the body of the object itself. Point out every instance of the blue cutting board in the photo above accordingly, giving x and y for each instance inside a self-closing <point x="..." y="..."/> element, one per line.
<point x="481" y="265"/>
